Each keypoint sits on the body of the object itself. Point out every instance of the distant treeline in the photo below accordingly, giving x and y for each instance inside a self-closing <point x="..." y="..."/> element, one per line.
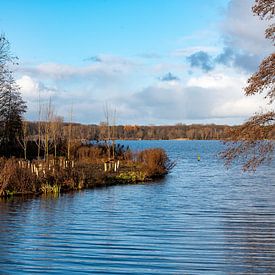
<point x="179" y="131"/>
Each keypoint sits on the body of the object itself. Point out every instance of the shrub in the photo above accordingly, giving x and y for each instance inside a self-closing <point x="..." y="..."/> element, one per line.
<point x="155" y="162"/>
<point x="88" y="154"/>
<point x="131" y="176"/>
<point x="94" y="153"/>
<point x="47" y="188"/>
<point x="14" y="179"/>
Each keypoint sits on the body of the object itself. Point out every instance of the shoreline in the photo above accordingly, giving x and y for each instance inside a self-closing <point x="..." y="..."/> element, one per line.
<point x="112" y="182"/>
<point x="58" y="175"/>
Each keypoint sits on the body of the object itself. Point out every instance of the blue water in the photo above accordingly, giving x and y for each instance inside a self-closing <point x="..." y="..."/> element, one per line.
<point x="200" y="219"/>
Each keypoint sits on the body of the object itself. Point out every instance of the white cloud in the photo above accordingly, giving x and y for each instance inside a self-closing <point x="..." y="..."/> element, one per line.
<point x="243" y="30"/>
<point x="240" y="107"/>
<point x="217" y="80"/>
<point x="31" y="89"/>
<point x="28" y="86"/>
<point x="243" y="41"/>
<point x="133" y="86"/>
<point x="210" y="97"/>
<point x="108" y="67"/>
<point x="207" y="97"/>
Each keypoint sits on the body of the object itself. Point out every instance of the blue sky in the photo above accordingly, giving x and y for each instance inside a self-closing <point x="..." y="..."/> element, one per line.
<point x="154" y="61"/>
<point x="70" y="30"/>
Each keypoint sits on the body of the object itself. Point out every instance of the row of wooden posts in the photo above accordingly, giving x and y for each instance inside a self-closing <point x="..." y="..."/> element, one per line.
<point x="39" y="167"/>
<point x="42" y="167"/>
<point x="111" y="165"/>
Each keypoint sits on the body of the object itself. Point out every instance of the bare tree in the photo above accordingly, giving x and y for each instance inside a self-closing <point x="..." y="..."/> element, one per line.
<point x="108" y="130"/>
<point x="69" y="134"/>
<point x="38" y="140"/>
<point x="56" y="131"/>
<point x="46" y="129"/>
<point x="24" y="138"/>
<point x="12" y="106"/>
<point x="113" y="135"/>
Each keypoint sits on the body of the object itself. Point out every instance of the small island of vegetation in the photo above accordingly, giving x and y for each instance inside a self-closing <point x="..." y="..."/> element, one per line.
<point x="89" y="166"/>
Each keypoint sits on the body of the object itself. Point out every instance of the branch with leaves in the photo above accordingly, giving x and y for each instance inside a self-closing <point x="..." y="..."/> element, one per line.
<point x="252" y="141"/>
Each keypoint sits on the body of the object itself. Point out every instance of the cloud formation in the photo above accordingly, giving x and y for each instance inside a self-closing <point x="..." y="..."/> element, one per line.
<point x="227" y="57"/>
<point x="93" y="59"/>
<point x="214" y="97"/>
<point x="242" y="30"/>
<point x="243" y="37"/>
<point x="169" y="77"/>
<point x="109" y="66"/>
<point x="201" y="60"/>
<point x="32" y="89"/>
<point x="212" y="93"/>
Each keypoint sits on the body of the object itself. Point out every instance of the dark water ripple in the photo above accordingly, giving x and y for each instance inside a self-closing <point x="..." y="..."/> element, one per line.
<point x="202" y="219"/>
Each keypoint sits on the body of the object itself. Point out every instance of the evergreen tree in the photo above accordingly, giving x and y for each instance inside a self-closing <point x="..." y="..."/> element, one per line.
<point x="12" y="106"/>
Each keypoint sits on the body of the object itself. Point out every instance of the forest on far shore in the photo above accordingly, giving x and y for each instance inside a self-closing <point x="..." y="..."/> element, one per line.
<point x="136" y="132"/>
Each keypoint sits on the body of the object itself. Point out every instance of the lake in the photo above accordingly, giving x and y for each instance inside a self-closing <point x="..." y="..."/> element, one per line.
<point x="200" y="219"/>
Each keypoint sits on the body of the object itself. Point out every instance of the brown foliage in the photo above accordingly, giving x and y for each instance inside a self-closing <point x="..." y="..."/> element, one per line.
<point x="89" y="154"/>
<point x="264" y="79"/>
<point x="265" y="9"/>
<point x="258" y="127"/>
<point x="253" y="140"/>
<point x="15" y="179"/>
<point x="155" y="162"/>
<point x="254" y="153"/>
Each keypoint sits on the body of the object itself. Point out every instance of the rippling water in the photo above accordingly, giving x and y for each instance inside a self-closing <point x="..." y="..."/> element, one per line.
<point x="201" y="219"/>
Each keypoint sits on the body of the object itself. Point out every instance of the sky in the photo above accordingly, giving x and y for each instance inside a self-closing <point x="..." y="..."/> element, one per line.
<point x="153" y="61"/>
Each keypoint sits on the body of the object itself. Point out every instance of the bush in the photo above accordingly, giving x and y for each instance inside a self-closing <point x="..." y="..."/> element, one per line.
<point x="95" y="153"/>
<point x="131" y="176"/>
<point x="47" y="188"/>
<point x="155" y="162"/>
<point x="14" y="179"/>
<point x="89" y="154"/>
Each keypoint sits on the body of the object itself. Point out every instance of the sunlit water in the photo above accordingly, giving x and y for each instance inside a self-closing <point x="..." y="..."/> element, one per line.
<point x="201" y="219"/>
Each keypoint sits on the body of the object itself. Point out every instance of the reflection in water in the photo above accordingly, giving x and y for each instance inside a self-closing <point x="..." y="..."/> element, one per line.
<point x="201" y="219"/>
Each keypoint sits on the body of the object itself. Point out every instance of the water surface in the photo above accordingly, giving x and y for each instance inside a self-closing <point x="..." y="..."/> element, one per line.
<point x="201" y="219"/>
